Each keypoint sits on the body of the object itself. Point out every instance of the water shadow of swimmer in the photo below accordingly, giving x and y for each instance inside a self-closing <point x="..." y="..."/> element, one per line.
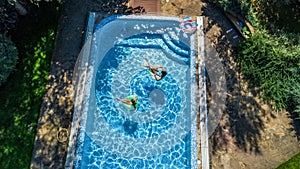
<point x="130" y="127"/>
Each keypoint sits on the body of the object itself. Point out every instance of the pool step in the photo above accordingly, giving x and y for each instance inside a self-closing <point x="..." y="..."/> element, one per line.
<point x="175" y="48"/>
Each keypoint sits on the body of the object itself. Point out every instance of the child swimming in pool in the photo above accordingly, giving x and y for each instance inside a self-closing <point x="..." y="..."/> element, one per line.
<point x="130" y="101"/>
<point x="155" y="70"/>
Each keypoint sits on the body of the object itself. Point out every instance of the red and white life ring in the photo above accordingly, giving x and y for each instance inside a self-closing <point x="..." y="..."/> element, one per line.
<point x="188" y="25"/>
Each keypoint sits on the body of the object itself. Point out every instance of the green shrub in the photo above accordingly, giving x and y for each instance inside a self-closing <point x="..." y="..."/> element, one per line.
<point x="241" y="7"/>
<point x="278" y="14"/>
<point x="272" y="63"/>
<point x="8" y="57"/>
<point x="8" y="16"/>
<point x="38" y="2"/>
<point x="276" y="2"/>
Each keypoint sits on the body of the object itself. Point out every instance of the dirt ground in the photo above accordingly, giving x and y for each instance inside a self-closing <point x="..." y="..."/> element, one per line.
<point x="250" y="133"/>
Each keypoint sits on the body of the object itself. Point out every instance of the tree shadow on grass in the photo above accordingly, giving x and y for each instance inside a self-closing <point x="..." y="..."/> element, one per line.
<point x="21" y="96"/>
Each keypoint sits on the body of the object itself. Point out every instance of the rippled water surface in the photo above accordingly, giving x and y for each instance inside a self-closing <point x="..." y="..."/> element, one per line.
<point x="155" y="135"/>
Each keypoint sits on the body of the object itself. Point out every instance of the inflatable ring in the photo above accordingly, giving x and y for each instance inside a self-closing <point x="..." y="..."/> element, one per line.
<point x="188" y="25"/>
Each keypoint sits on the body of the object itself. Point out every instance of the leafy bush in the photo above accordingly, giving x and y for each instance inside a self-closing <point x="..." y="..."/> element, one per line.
<point x="276" y="2"/>
<point x="8" y="16"/>
<point x="272" y="63"/>
<point x="278" y="14"/>
<point x="38" y="2"/>
<point x="272" y="14"/>
<point x="242" y="7"/>
<point x="8" y="57"/>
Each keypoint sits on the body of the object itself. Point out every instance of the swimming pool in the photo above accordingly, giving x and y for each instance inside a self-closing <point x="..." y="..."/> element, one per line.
<point x="161" y="132"/>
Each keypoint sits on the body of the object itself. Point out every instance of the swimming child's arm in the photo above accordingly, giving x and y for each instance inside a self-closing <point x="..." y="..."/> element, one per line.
<point x="124" y="101"/>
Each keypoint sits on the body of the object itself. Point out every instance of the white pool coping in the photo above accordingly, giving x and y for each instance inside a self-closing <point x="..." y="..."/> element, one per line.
<point x="202" y="99"/>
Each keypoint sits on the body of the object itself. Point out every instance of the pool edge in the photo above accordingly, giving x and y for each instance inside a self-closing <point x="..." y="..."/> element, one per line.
<point x="80" y="62"/>
<point x="70" y="162"/>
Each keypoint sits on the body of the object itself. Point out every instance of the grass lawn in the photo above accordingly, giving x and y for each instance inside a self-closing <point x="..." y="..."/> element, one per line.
<point x="21" y="96"/>
<point x="293" y="163"/>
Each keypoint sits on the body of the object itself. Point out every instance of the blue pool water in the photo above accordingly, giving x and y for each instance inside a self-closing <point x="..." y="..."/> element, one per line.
<point x="158" y="133"/>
